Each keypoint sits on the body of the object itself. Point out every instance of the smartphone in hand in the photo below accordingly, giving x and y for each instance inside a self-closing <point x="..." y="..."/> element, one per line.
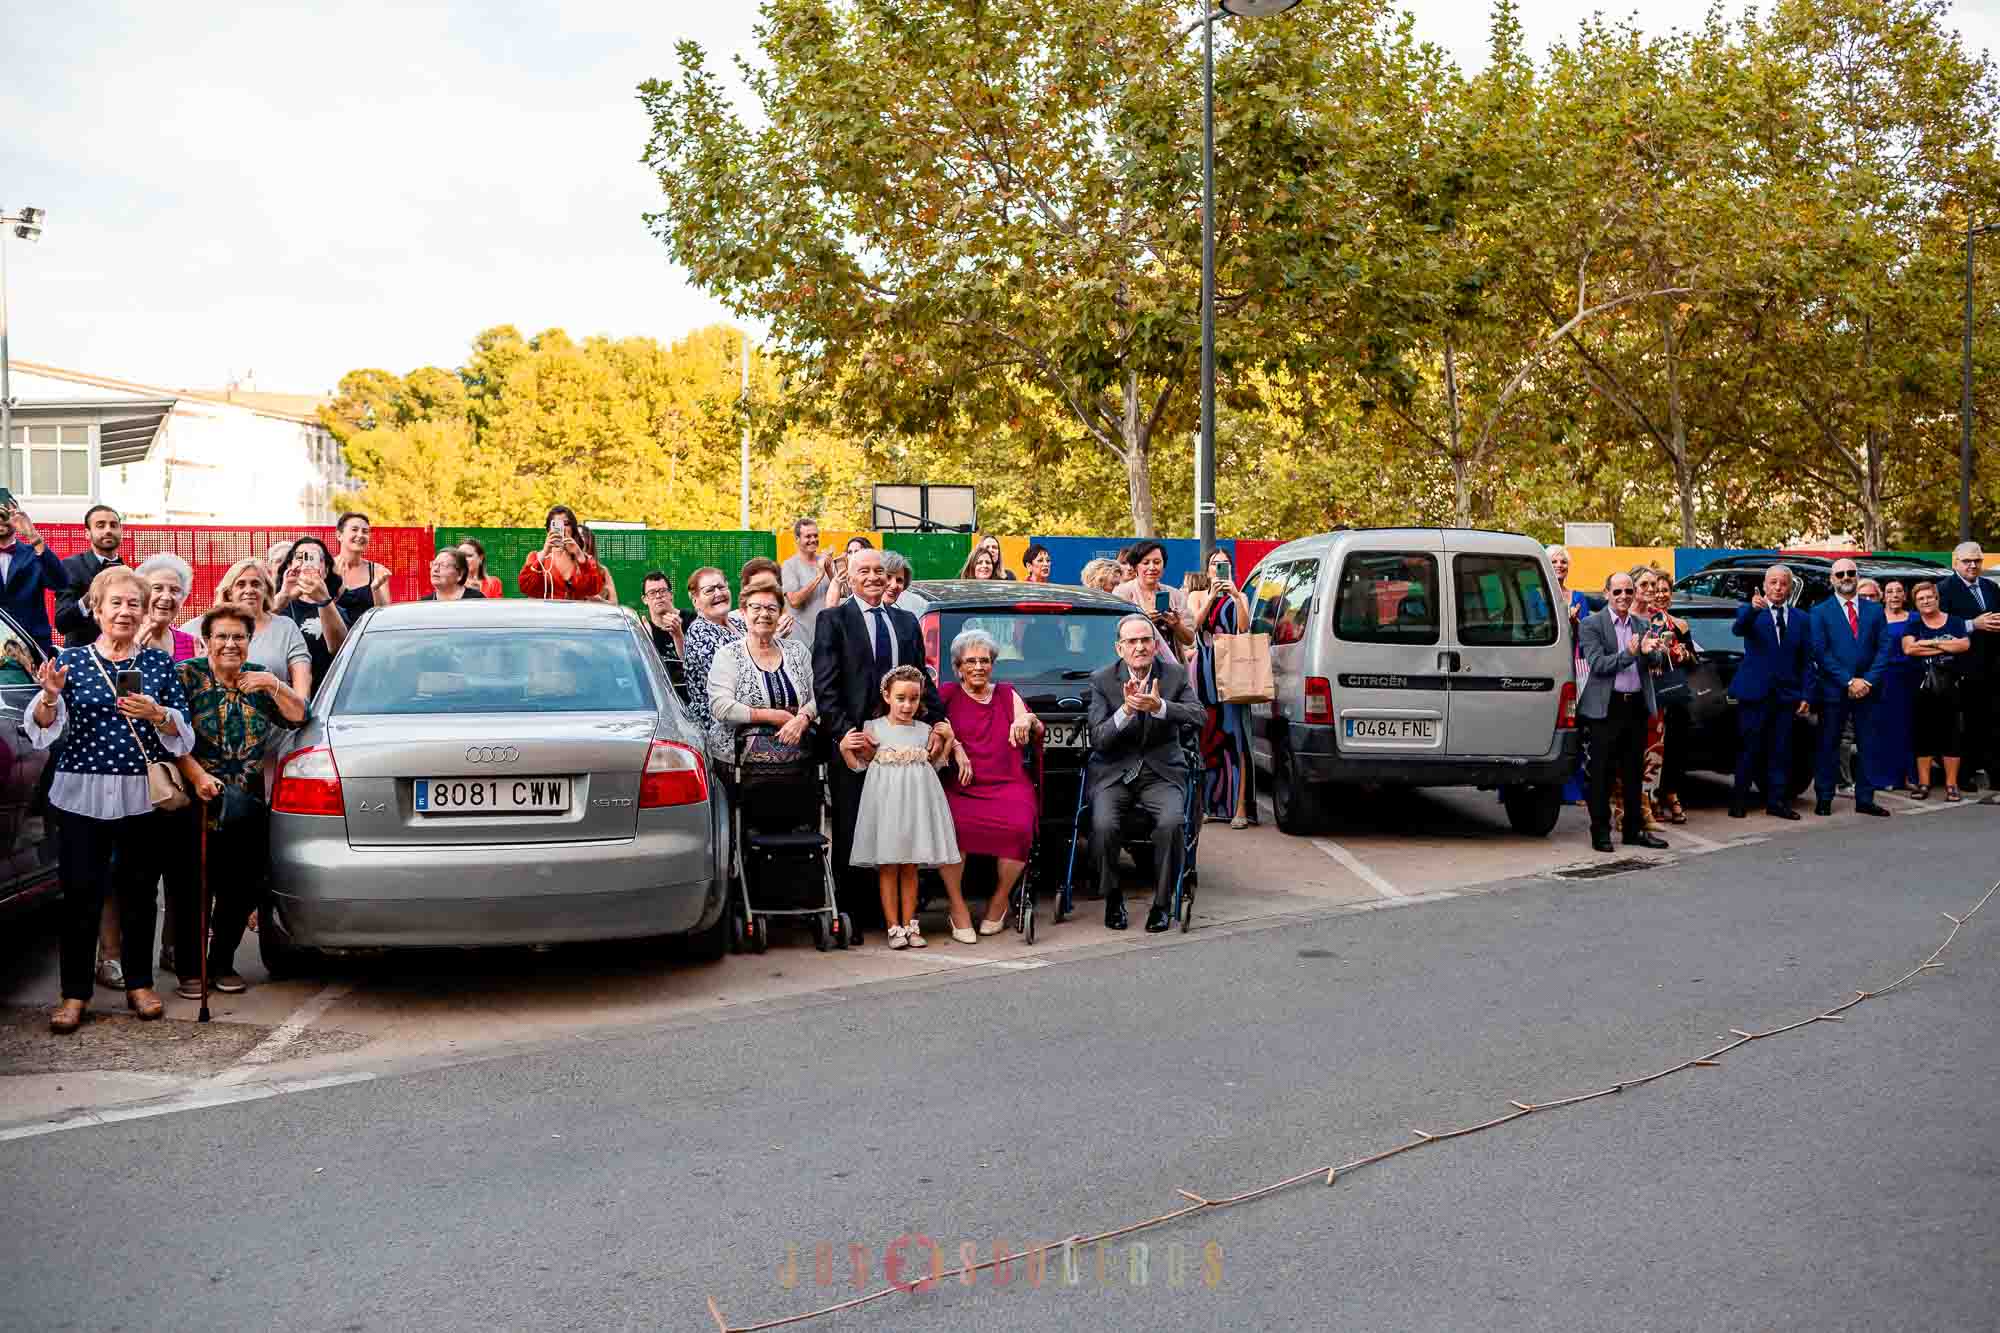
<point x="129" y="684"/>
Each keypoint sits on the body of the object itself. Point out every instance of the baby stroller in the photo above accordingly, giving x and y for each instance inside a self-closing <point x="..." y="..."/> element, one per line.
<point x="781" y="862"/>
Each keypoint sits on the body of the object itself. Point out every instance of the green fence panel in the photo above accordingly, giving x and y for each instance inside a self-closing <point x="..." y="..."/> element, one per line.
<point x="628" y="555"/>
<point x="932" y="555"/>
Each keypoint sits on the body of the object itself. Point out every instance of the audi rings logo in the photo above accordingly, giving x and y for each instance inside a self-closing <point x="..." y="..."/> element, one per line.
<point x="491" y="754"/>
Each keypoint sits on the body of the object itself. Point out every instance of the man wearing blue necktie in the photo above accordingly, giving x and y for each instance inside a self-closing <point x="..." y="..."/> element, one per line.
<point x="1973" y="599"/>
<point x="1769" y="690"/>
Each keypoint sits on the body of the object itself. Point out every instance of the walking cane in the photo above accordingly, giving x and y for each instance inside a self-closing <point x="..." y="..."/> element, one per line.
<point x="201" y="916"/>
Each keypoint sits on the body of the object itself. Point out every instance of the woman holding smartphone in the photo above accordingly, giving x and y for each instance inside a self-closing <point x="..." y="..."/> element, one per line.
<point x="1167" y="606"/>
<point x="120" y="707"/>
<point x="363" y="582"/>
<point x="562" y="570"/>
<point x="308" y="596"/>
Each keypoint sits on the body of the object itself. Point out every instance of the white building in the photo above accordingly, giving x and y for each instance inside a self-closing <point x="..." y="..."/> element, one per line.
<point x="176" y="456"/>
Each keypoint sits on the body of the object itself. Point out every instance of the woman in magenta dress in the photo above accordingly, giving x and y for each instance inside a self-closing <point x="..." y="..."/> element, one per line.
<point x="995" y="810"/>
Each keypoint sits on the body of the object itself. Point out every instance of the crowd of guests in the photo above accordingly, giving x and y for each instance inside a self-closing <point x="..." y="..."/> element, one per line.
<point x="1899" y="677"/>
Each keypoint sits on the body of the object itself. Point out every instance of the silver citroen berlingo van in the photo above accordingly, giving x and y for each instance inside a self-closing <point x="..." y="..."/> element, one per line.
<point x="1420" y="657"/>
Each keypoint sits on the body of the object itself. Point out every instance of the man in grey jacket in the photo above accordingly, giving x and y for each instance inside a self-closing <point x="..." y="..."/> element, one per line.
<point x="1137" y="707"/>
<point x="1622" y="652"/>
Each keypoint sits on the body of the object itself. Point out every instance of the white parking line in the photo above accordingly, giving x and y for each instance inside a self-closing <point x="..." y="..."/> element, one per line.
<point x="1358" y="868"/>
<point x="197" y="1099"/>
<point x="287" y="1032"/>
<point x="1682" y="835"/>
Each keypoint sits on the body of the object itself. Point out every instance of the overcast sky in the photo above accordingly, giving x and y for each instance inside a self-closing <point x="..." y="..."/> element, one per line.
<point x="236" y="190"/>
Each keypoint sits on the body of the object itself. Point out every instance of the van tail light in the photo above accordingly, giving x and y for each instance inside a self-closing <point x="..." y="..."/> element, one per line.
<point x="931" y="632"/>
<point x="1566" y="707"/>
<point x="674" y="775"/>
<point x="1319" y="699"/>
<point x="308" y="784"/>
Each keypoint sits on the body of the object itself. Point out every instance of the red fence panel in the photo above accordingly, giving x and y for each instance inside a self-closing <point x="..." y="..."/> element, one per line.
<point x="212" y="550"/>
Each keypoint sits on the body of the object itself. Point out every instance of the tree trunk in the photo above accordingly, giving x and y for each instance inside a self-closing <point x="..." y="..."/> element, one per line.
<point x="1460" y="464"/>
<point x="1677" y="423"/>
<point x="1138" y="438"/>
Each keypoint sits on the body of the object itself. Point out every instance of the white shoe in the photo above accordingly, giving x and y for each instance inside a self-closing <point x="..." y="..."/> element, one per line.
<point x="898" y="938"/>
<point x="992" y="927"/>
<point x="915" y="934"/>
<point x="964" y="935"/>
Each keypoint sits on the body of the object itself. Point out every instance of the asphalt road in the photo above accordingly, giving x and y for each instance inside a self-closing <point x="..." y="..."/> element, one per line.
<point x="1843" y="1176"/>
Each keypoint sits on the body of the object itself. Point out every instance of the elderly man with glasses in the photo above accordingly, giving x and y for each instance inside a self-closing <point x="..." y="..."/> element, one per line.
<point x="1849" y="650"/>
<point x="1138" y="705"/>
<point x="1974" y="600"/>
<point x="1622" y="653"/>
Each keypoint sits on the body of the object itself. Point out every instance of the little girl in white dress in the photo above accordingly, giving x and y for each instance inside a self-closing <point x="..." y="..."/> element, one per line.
<point x="905" y="822"/>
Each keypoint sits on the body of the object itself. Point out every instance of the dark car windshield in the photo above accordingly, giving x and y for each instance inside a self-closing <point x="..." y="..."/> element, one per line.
<point x="1712" y="632"/>
<point x="1034" y="645"/>
<point x="496" y="671"/>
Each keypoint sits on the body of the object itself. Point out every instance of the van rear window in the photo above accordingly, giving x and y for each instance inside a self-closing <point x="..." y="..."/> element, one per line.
<point x="1388" y="597"/>
<point x="1503" y="601"/>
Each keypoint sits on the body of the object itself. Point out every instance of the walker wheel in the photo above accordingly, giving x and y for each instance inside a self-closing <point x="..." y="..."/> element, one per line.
<point x="843" y="929"/>
<point x="822" y="934"/>
<point x="760" y="935"/>
<point x="737" y="938"/>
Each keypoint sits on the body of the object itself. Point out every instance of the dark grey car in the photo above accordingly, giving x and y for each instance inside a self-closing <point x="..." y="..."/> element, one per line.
<point x="28" y="873"/>
<point x="494" y="773"/>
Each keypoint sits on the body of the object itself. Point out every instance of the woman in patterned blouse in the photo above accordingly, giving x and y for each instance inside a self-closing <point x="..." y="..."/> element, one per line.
<point x="712" y="627"/>
<point x="109" y="827"/>
<point x="236" y="707"/>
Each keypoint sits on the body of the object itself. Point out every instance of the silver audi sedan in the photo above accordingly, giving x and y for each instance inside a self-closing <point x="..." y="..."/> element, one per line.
<point x="494" y="773"/>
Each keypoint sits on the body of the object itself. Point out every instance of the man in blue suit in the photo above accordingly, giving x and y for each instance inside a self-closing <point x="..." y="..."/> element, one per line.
<point x="28" y="569"/>
<point x="1850" y="650"/>
<point x="1769" y="690"/>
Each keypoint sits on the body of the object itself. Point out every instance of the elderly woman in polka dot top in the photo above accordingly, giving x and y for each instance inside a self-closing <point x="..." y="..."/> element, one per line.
<point x="108" y="826"/>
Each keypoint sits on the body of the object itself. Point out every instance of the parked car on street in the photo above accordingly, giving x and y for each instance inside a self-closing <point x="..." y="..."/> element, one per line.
<point x="1051" y="637"/>
<point x="494" y="773"/>
<point x="1701" y="729"/>
<point x="27" y="841"/>
<point x="1418" y="657"/>
<point x="1737" y="578"/>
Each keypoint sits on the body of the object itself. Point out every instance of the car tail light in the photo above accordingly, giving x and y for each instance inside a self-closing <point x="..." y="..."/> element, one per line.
<point x="308" y="784"/>
<point x="1044" y="606"/>
<point x="1566" y="707"/>
<point x="675" y="775"/>
<point x="1319" y="699"/>
<point x="931" y="633"/>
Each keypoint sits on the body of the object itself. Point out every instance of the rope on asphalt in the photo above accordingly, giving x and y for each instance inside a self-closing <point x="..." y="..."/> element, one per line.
<point x="1332" y="1172"/>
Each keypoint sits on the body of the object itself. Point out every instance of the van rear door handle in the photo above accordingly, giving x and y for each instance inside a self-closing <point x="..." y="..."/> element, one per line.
<point x="1448" y="662"/>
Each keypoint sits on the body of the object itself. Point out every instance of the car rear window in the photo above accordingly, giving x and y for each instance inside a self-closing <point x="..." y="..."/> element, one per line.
<point x="1503" y="601"/>
<point x="1034" y="645"/>
<point x="496" y="671"/>
<point x="1388" y="597"/>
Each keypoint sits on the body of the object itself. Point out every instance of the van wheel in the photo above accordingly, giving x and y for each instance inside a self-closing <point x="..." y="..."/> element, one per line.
<point x="1533" y="811"/>
<point x="275" y="949"/>
<point x="1299" y="809"/>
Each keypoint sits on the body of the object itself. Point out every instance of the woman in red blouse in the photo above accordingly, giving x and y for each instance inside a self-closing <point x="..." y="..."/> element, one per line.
<point x="562" y="569"/>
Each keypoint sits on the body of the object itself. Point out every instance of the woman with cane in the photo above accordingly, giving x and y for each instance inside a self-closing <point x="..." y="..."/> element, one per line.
<point x="235" y="707"/>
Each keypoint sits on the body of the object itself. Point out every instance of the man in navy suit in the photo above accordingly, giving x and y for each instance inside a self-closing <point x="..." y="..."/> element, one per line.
<point x="1972" y="599"/>
<point x="28" y="569"/>
<point x="1850" y="650"/>
<point x="1769" y="690"/>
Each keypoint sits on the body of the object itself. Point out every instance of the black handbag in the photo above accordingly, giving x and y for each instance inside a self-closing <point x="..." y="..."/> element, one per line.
<point x="238" y="810"/>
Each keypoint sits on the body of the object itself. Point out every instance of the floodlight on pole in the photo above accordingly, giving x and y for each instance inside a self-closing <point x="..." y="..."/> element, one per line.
<point x="27" y="224"/>
<point x="1204" y="468"/>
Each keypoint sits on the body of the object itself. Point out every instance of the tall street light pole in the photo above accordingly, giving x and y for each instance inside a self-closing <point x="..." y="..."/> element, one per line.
<point x="743" y="461"/>
<point x="26" y="224"/>
<point x="1204" y="467"/>
<point x="1972" y="233"/>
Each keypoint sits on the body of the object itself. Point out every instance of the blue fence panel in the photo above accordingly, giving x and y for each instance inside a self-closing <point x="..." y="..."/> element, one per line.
<point x="1693" y="559"/>
<point x="1068" y="555"/>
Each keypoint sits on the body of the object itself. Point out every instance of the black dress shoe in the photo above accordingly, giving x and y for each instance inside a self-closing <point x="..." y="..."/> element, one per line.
<point x="1823" y="808"/>
<point x="1736" y="810"/>
<point x="1114" y="915"/>
<point x="1157" y="920"/>
<point x="1871" y="809"/>
<point x="1601" y="843"/>
<point x="1782" y="812"/>
<point x="1644" y="839"/>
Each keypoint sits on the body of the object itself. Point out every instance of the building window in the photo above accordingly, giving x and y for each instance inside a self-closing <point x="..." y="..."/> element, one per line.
<point x="49" y="461"/>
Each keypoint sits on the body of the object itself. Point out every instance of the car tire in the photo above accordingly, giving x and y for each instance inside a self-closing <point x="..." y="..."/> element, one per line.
<point x="282" y="958"/>
<point x="1533" y="810"/>
<point x="705" y="946"/>
<point x="1299" y="809"/>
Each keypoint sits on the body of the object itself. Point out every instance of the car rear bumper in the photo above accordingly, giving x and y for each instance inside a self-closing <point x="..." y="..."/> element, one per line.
<point x="331" y="895"/>
<point x="1320" y="759"/>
